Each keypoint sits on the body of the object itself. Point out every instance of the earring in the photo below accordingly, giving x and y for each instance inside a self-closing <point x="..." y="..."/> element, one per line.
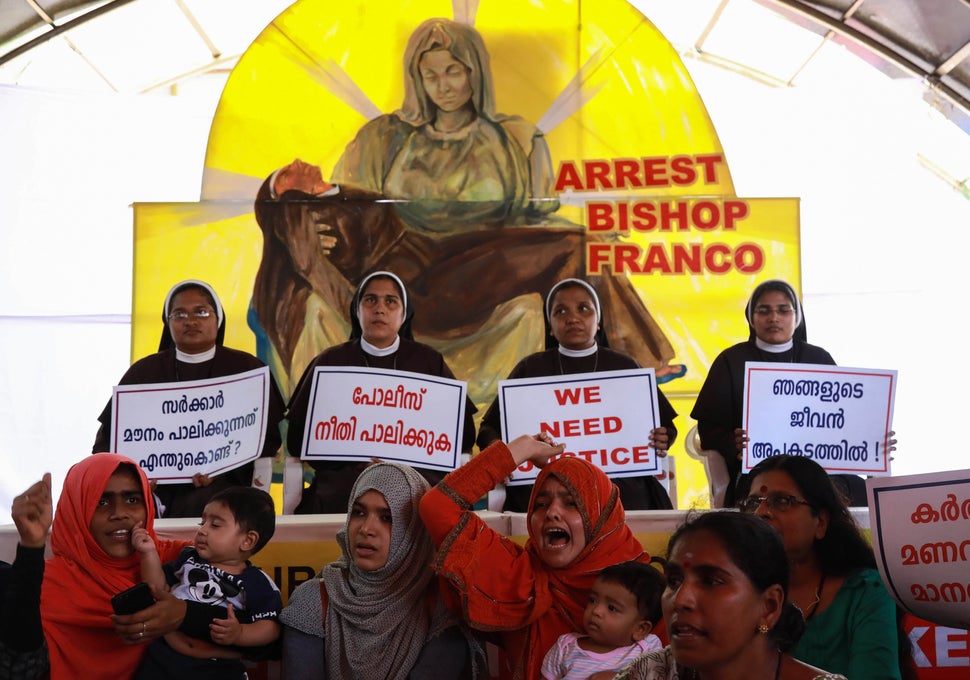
<point x="763" y="628"/>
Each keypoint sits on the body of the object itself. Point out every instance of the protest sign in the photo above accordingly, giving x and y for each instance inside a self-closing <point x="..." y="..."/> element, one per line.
<point x="358" y="413"/>
<point x="921" y="537"/>
<point x="175" y="430"/>
<point x="605" y="418"/>
<point x="835" y="415"/>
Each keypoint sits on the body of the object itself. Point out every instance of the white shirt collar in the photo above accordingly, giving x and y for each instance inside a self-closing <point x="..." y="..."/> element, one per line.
<point x="195" y="358"/>
<point x="378" y="351"/>
<point x="774" y="349"/>
<point x="576" y="353"/>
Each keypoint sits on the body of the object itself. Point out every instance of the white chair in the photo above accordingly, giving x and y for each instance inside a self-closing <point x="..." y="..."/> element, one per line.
<point x="668" y="477"/>
<point x="718" y="477"/>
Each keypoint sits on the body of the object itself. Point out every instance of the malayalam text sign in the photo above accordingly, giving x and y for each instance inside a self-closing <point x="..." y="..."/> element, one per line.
<point x="835" y="415"/>
<point x="360" y="413"/>
<point x="175" y="430"/>
<point x="921" y="537"/>
<point x="605" y="418"/>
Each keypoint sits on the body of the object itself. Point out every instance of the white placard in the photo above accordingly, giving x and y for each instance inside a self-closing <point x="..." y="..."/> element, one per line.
<point x="175" y="430"/>
<point x="921" y="537"/>
<point x="835" y="415"/>
<point x="605" y="418"/>
<point x="359" y="413"/>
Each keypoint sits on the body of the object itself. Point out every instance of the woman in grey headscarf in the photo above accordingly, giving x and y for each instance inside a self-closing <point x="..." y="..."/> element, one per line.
<point x="376" y="612"/>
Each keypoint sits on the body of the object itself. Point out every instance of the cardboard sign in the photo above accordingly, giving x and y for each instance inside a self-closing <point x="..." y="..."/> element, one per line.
<point x="921" y="537"/>
<point x="605" y="418"/>
<point x="834" y="415"/>
<point x="175" y="430"/>
<point x="359" y="413"/>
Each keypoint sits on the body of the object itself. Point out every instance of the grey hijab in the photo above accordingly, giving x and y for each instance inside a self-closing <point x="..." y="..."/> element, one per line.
<point x="377" y="622"/>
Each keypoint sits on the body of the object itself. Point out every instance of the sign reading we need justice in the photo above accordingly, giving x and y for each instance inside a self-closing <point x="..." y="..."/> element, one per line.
<point x="605" y="418"/>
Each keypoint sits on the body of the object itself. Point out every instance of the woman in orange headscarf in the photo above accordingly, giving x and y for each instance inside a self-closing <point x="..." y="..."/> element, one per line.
<point x="104" y="497"/>
<point x="529" y="596"/>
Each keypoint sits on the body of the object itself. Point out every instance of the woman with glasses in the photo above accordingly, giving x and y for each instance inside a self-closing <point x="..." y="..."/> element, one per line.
<point x="851" y="620"/>
<point x="191" y="348"/>
<point x="777" y="334"/>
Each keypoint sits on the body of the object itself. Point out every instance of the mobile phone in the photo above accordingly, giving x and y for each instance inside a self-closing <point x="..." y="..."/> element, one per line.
<point x="132" y="600"/>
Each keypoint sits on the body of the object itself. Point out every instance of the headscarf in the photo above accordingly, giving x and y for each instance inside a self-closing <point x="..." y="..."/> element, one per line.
<point x="80" y="579"/>
<point x="556" y="597"/>
<point x="466" y="45"/>
<point x="379" y="620"/>
<point x="782" y="287"/>
<point x="167" y="341"/>
<point x="599" y="336"/>
<point x="356" y="331"/>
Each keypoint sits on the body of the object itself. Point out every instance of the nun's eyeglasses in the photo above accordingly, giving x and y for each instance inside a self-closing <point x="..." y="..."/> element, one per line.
<point x="778" y="502"/>
<point x="185" y="316"/>
<point x="780" y="310"/>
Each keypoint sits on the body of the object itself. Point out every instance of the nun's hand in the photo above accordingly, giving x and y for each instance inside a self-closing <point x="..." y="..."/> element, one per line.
<point x="889" y="444"/>
<point x="200" y="480"/>
<point x="740" y="440"/>
<point x="659" y="440"/>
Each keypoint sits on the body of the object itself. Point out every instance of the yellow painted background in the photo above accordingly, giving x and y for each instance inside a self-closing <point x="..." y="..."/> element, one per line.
<point x="280" y="103"/>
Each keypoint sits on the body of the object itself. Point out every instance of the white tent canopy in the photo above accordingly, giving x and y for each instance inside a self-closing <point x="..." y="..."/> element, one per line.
<point x="879" y="171"/>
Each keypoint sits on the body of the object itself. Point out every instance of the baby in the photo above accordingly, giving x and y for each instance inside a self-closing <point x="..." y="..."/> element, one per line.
<point x="624" y="604"/>
<point x="235" y="525"/>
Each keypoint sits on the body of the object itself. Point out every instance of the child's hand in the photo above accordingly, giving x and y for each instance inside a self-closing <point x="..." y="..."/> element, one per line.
<point x="226" y="631"/>
<point x="141" y="540"/>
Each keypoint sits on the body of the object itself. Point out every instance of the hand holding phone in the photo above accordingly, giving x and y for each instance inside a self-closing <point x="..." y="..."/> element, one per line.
<point x="132" y="600"/>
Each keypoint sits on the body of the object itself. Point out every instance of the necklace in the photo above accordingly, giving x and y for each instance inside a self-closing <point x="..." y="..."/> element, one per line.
<point x="596" y="362"/>
<point x="813" y="607"/>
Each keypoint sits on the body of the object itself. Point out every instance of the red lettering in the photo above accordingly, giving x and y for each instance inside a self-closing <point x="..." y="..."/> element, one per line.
<point x="625" y="257"/>
<point x="612" y="424"/>
<point x="682" y="171"/>
<point x="570" y="428"/>
<point x="591" y="395"/>
<point x="717" y="265"/>
<point x="644" y="217"/>
<point x="706" y="215"/>
<point x="688" y="254"/>
<point x="749" y="258"/>
<point x="568" y="177"/>
<point x="599" y="216"/>
<point x="709" y="163"/>
<point x="627" y="173"/>
<point x="671" y="211"/>
<point x="656" y="259"/>
<point x="551" y="429"/>
<point x="591" y="426"/>
<point x="734" y="211"/>
<point x="617" y="459"/>
<point x="598" y="175"/>
<point x="598" y="255"/>
<point x="641" y="454"/>
<point x="655" y="172"/>
<point x="569" y="395"/>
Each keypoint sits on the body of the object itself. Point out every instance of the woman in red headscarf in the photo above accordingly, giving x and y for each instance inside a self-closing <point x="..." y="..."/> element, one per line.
<point x="104" y="497"/>
<point x="528" y="595"/>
